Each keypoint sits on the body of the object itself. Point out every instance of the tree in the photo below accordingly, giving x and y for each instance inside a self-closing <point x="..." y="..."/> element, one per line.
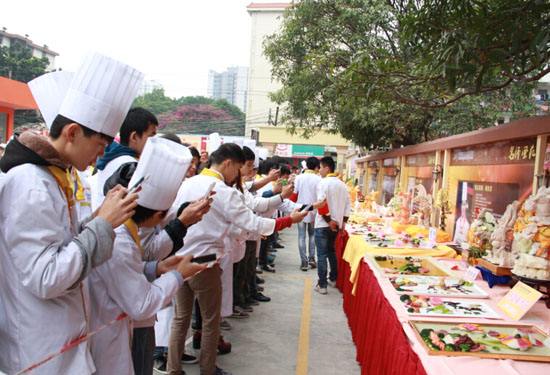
<point x="193" y="114"/>
<point x="389" y="73"/>
<point x="17" y="62"/>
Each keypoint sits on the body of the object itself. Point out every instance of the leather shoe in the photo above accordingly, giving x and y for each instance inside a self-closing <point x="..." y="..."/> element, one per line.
<point x="261" y="298"/>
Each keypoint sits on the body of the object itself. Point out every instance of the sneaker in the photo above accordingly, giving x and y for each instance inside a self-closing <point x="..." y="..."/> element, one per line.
<point x="312" y="264"/>
<point x="220" y="371"/>
<point x="260" y="288"/>
<point x="304" y="266"/>
<point x="247" y="309"/>
<point x="252" y="302"/>
<point x="277" y="245"/>
<point x="224" y="324"/>
<point x="268" y="268"/>
<point x="332" y="283"/>
<point x="160" y="368"/>
<point x="261" y="298"/>
<point x="238" y="313"/>
<point x="320" y="290"/>
<point x="189" y="359"/>
<point x="259" y="270"/>
<point x="259" y="280"/>
<point x="224" y="347"/>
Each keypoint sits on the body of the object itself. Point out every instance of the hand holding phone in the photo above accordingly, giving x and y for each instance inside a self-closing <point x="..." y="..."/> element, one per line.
<point x="204" y="259"/>
<point x="209" y="190"/>
<point x="138" y="184"/>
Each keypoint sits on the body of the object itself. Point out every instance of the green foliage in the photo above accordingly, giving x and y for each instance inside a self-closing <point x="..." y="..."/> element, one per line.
<point x="391" y="73"/>
<point x="17" y="62"/>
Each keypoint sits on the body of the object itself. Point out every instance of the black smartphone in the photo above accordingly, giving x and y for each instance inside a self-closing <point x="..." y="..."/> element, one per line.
<point x="306" y="207"/>
<point x="204" y="259"/>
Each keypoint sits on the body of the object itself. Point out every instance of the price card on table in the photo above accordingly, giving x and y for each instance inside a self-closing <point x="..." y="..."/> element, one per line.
<point x="518" y="301"/>
<point x="432" y="235"/>
<point x="471" y="274"/>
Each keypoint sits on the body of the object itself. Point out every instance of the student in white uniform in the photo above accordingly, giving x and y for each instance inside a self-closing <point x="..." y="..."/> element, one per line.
<point x="45" y="254"/>
<point x="207" y="237"/>
<point x="306" y="193"/>
<point x="334" y="207"/>
<point x="138" y="126"/>
<point x="119" y="285"/>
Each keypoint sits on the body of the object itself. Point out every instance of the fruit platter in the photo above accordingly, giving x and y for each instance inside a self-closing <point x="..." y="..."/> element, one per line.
<point x="401" y="240"/>
<point x="488" y="340"/>
<point x="408" y="265"/>
<point x="437" y="286"/>
<point x="444" y="307"/>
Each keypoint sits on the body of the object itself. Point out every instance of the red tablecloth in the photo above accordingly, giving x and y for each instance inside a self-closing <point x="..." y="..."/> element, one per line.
<point x="382" y="346"/>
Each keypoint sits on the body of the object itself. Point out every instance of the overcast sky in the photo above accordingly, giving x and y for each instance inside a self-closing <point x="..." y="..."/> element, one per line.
<point x="174" y="42"/>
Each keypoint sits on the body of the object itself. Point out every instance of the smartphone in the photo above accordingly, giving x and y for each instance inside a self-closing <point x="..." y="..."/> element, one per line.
<point x="284" y="182"/>
<point x="209" y="190"/>
<point x="307" y="207"/>
<point x="138" y="184"/>
<point x="204" y="259"/>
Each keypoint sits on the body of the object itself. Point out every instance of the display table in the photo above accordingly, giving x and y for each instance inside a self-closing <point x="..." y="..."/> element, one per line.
<point x="385" y="342"/>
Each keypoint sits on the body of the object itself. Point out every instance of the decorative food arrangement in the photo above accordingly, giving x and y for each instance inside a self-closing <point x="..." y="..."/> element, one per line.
<point x="531" y="238"/>
<point x="408" y="265"/>
<point x="437" y="286"/>
<point x="500" y="252"/>
<point x="511" y="341"/>
<point x="437" y="306"/>
<point x="479" y="234"/>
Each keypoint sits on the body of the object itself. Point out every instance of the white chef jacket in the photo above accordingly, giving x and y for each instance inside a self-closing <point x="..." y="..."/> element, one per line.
<point x="119" y="286"/>
<point x="43" y="304"/>
<point x="336" y="193"/>
<point x="207" y="236"/>
<point x="305" y="185"/>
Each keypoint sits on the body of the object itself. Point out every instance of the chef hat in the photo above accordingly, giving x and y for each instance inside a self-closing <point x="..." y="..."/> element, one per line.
<point x="164" y="164"/>
<point x="101" y="94"/>
<point x="213" y="143"/>
<point x="48" y="91"/>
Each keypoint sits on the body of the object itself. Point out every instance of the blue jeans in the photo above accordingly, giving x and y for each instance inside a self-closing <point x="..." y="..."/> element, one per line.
<point x="324" y="240"/>
<point x="302" y="227"/>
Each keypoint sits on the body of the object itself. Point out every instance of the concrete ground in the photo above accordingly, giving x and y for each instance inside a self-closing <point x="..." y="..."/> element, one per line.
<point x="299" y="332"/>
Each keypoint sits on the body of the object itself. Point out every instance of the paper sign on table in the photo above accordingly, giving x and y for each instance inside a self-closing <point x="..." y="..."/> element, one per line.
<point x="518" y="301"/>
<point x="471" y="274"/>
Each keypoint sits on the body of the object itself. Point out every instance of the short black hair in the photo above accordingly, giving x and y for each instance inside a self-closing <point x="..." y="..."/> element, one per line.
<point x="312" y="162"/>
<point x="143" y="213"/>
<point x="248" y="154"/>
<point x="137" y="120"/>
<point x="329" y="162"/>
<point x="61" y="121"/>
<point x="172" y="137"/>
<point x="194" y="152"/>
<point x="226" y="151"/>
<point x="285" y="170"/>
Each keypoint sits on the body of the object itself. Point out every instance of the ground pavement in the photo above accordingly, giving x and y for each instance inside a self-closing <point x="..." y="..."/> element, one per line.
<point x="299" y="332"/>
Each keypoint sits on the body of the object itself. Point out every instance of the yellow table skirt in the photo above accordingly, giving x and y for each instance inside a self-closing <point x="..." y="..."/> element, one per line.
<point x="357" y="248"/>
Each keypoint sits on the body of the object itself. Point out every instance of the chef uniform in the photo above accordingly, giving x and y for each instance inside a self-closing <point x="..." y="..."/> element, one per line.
<point x="45" y="254"/>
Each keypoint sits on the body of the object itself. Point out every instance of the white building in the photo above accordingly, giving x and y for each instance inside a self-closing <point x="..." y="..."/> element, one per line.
<point x="230" y="85"/>
<point x="148" y="86"/>
<point x="266" y="19"/>
<point x="7" y="40"/>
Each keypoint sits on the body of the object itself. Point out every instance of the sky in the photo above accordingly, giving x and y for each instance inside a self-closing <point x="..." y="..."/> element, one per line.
<point x="173" y="42"/>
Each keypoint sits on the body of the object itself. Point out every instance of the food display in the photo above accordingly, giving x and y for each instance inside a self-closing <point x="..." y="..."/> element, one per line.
<point x="500" y="252"/>
<point x="437" y="306"/>
<point x="422" y="206"/>
<point x="531" y="237"/>
<point x="437" y="286"/>
<point x="479" y="234"/>
<point x="524" y="343"/>
<point x="406" y="265"/>
<point x="400" y="207"/>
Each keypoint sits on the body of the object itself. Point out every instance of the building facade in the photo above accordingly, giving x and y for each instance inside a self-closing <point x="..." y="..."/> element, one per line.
<point x="231" y="85"/>
<point x="263" y="116"/>
<point x="8" y="40"/>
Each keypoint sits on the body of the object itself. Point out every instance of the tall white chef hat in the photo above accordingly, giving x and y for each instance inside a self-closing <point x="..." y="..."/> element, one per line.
<point x="101" y="94"/>
<point x="164" y="164"/>
<point x="48" y="91"/>
<point x="213" y="143"/>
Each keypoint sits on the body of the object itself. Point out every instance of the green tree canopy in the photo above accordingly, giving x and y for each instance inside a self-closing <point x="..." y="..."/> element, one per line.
<point x="387" y="72"/>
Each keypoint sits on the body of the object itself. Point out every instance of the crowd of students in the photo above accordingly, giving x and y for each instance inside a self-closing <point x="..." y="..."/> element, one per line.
<point x="98" y="236"/>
